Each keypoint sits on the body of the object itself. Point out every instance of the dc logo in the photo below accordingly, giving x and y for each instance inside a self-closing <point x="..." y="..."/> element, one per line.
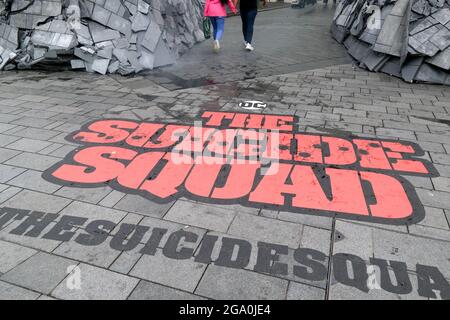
<point x="253" y="105"/>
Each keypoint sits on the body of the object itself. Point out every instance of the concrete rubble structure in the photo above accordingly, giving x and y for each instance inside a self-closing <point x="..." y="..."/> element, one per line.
<point x="104" y="36"/>
<point x="409" y="39"/>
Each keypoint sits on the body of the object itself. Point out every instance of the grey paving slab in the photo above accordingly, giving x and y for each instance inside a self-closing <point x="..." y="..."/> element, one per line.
<point x="9" y="172"/>
<point x="267" y="230"/>
<point x="126" y="261"/>
<point x="12" y="292"/>
<point x="228" y="284"/>
<point x="316" y="238"/>
<point x="33" y="124"/>
<point x="112" y="199"/>
<point x="420" y="182"/>
<point x="306" y="219"/>
<point x="32" y="161"/>
<point x="233" y="207"/>
<point x="444" y="171"/>
<point x="133" y="219"/>
<point x="9" y="193"/>
<point x="5" y="127"/>
<point x="441" y="184"/>
<point x="432" y="198"/>
<point x="31" y="200"/>
<point x="93" y="212"/>
<point x="441" y="158"/>
<point x="151" y="291"/>
<point x="42" y="272"/>
<point x="6" y="154"/>
<point x="353" y="238"/>
<point x="84" y="194"/>
<point x="46" y="298"/>
<point x="97" y="284"/>
<point x="171" y="227"/>
<point x="435" y="218"/>
<point x="37" y="243"/>
<point x="5" y="118"/>
<point x="29" y="145"/>
<point x="142" y="206"/>
<point x="3" y="187"/>
<point x="184" y="275"/>
<point x="268" y="213"/>
<point x="62" y="151"/>
<point x="430" y="232"/>
<point x="412" y="250"/>
<point x="13" y="255"/>
<point x="340" y="291"/>
<point x="6" y="139"/>
<point x="298" y="291"/>
<point x="32" y="180"/>
<point x="200" y="215"/>
<point x="101" y="255"/>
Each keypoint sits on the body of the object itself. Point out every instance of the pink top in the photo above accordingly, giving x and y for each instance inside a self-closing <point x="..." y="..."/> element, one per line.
<point x="214" y="8"/>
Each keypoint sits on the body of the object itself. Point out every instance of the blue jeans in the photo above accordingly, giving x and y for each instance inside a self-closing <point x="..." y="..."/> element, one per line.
<point x="248" y="21"/>
<point x="218" y="24"/>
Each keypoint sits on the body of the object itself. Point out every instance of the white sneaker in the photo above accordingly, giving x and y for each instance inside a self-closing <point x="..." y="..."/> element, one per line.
<point x="216" y="46"/>
<point x="249" y="47"/>
<point x="245" y="44"/>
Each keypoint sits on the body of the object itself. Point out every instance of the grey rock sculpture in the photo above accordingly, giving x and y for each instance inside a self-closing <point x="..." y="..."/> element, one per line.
<point x="104" y="36"/>
<point x="409" y="39"/>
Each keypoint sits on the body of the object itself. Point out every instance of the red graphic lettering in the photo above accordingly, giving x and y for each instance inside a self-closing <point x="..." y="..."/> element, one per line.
<point x="308" y="193"/>
<point x="168" y="137"/>
<point x="341" y="151"/>
<point x="308" y="148"/>
<point x="398" y="162"/>
<point x="391" y="199"/>
<point x="372" y="155"/>
<point x="255" y="160"/>
<point x="106" y="131"/>
<point x="95" y="165"/>
<point x="169" y="180"/>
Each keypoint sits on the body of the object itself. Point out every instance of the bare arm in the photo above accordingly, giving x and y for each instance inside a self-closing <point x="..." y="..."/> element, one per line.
<point x="232" y="5"/>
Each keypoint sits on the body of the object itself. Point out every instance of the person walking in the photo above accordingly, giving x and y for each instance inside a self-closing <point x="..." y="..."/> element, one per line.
<point x="249" y="10"/>
<point x="216" y="11"/>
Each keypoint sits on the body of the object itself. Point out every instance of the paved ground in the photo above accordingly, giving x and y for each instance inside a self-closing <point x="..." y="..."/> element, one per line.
<point x="81" y="258"/>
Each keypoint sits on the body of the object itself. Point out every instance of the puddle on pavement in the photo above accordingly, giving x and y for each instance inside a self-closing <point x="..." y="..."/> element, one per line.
<point x="211" y="105"/>
<point x="164" y="78"/>
<point x="336" y="132"/>
<point x="443" y="121"/>
<point x="146" y="97"/>
<point x="233" y="90"/>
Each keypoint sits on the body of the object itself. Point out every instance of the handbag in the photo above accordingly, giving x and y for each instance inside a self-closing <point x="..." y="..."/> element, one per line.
<point x="207" y="27"/>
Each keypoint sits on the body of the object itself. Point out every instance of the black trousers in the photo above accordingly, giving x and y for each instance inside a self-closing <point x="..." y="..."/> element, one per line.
<point x="248" y="21"/>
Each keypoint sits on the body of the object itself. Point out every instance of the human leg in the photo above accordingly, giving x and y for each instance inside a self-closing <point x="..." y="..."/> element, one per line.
<point x="251" y="17"/>
<point x="220" y="22"/>
<point x="244" y="24"/>
<point x="214" y="25"/>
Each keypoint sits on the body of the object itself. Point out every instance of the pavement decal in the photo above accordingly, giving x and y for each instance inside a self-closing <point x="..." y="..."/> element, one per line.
<point x="253" y="105"/>
<point x="306" y="264"/>
<point x="256" y="160"/>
